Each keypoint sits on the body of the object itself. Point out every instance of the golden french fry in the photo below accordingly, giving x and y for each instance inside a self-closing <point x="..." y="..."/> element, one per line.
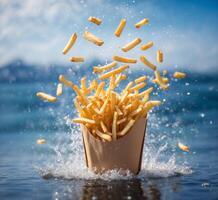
<point x="121" y="121"/>
<point x="92" y="38"/>
<point x="147" y="63"/>
<point x="159" y="80"/>
<point x="179" y="75"/>
<point x="149" y="105"/>
<point x="120" y="78"/>
<point x="119" y="112"/>
<point x="112" y="83"/>
<point x="59" y="89"/>
<point x="147" y="46"/>
<point x="103" y="136"/>
<point x="103" y="126"/>
<point x="99" y="89"/>
<point x="83" y="120"/>
<point x="124" y="60"/>
<point x="46" y="97"/>
<point x="114" y="72"/>
<point x="123" y="98"/>
<point x="129" y="85"/>
<point x="70" y="43"/>
<point x="140" y="79"/>
<point x="159" y="56"/>
<point x="79" y="93"/>
<point x="79" y="108"/>
<point x="120" y="28"/>
<point x="94" y="20"/>
<point x="114" y="126"/>
<point x="126" y="128"/>
<point x="105" y="67"/>
<point x="137" y="87"/>
<point x="141" y="23"/>
<point x="113" y="100"/>
<point x="83" y="83"/>
<point x="65" y="81"/>
<point x="183" y="147"/>
<point x="104" y="106"/>
<point x="40" y="141"/>
<point x="148" y="91"/>
<point x="76" y="59"/>
<point x="135" y="112"/>
<point x="131" y="45"/>
<point x="93" y="85"/>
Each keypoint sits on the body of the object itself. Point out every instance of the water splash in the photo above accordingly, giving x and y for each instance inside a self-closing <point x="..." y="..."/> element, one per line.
<point x="67" y="162"/>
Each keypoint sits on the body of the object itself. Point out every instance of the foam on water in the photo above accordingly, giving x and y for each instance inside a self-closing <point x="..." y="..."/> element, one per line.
<point x="67" y="162"/>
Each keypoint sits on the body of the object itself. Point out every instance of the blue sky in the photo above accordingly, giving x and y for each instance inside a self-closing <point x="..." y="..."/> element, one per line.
<point x="36" y="31"/>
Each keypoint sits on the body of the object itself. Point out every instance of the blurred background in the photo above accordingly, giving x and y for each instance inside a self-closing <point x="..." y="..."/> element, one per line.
<point x="32" y="36"/>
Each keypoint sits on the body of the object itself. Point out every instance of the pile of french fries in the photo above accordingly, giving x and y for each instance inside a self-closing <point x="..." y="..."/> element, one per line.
<point x="107" y="113"/>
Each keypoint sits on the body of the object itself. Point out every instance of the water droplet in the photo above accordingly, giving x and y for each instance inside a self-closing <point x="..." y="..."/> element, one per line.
<point x="202" y="115"/>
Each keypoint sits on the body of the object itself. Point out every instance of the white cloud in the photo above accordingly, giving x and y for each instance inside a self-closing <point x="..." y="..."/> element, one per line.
<point x="36" y="32"/>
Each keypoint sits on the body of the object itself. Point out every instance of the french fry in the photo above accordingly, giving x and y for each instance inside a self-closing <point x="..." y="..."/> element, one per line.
<point x="179" y="75"/>
<point x="119" y="112"/>
<point x="137" y="87"/>
<point x="79" y="93"/>
<point x="131" y="45"/>
<point x="120" y="28"/>
<point x="126" y="128"/>
<point x="114" y="72"/>
<point x="99" y="89"/>
<point x="94" y="20"/>
<point x="83" y="120"/>
<point x="59" y="89"/>
<point x="121" y="121"/>
<point x="40" y="141"/>
<point x="135" y="112"/>
<point x="104" y="106"/>
<point x="159" y="56"/>
<point x="147" y="46"/>
<point x="113" y="100"/>
<point x="123" y="98"/>
<point x="103" y="126"/>
<point x="124" y="60"/>
<point x="70" y="43"/>
<point x="112" y="83"/>
<point x="76" y="59"/>
<point x="129" y="85"/>
<point x="164" y="80"/>
<point x="140" y="79"/>
<point x="103" y="136"/>
<point x="183" y="147"/>
<point x="120" y="78"/>
<point x="149" y="105"/>
<point x="114" y="126"/>
<point x="65" y="81"/>
<point x="92" y="38"/>
<point x="148" y="91"/>
<point x="147" y="63"/>
<point x="105" y="67"/>
<point x="79" y="108"/>
<point x="46" y="97"/>
<point x="83" y="83"/>
<point x="141" y="23"/>
<point x="159" y="80"/>
<point x="93" y="85"/>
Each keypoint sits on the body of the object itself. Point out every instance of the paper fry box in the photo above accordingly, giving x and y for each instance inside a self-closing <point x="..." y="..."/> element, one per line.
<point x="122" y="154"/>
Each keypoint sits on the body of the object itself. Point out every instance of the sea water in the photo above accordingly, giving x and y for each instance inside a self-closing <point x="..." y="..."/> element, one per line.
<point x="56" y="170"/>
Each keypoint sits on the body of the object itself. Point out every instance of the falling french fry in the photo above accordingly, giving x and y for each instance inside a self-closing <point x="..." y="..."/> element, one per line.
<point x="183" y="147"/>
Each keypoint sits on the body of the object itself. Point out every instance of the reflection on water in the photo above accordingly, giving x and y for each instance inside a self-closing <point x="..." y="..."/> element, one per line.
<point x="152" y="189"/>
